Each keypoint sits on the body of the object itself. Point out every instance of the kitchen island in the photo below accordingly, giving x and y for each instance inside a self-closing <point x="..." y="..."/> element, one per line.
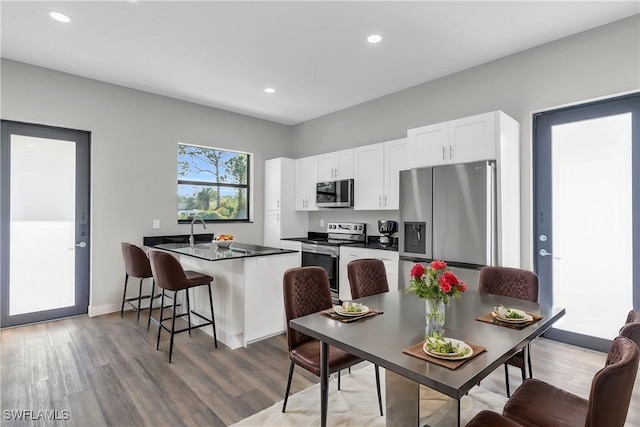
<point x="247" y="287"/>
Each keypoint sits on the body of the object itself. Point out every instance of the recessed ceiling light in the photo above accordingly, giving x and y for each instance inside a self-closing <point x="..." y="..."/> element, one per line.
<point x="374" y="38"/>
<point x="61" y="17"/>
<point x="270" y="90"/>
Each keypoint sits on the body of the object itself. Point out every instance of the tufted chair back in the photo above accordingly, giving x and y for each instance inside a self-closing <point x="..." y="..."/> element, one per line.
<point x="306" y="290"/>
<point x="136" y="263"/>
<point x="631" y="329"/>
<point x="612" y="386"/>
<point x="167" y="271"/>
<point x="510" y="282"/>
<point x="367" y="277"/>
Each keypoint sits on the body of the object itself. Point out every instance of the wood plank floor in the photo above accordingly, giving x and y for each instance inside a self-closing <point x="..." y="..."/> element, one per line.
<point x="105" y="371"/>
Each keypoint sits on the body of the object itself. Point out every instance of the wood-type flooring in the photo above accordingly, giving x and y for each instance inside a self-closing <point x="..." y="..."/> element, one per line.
<point x="105" y="371"/>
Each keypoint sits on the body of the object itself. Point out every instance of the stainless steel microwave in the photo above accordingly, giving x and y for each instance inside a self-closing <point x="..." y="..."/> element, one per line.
<point x="335" y="194"/>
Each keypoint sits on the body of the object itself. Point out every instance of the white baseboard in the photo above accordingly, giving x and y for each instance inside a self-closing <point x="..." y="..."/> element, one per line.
<point x="97" y="310"/>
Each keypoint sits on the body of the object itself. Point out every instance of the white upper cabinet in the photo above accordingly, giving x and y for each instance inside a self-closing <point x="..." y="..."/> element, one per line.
<point x="306" y="178"/>
<point x="463" y="140"/>
<point x="272" y="184"/>
<point x="368" y="185"/>
<point x="281" y="220"/>
<point x="395" y="160"/>
<point x="336" y="165"/>
<point x="376" y="174"/>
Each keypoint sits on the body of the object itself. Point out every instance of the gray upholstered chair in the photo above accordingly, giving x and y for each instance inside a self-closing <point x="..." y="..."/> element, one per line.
<point x="536" y="403"/>
<point x="515" y="283"/>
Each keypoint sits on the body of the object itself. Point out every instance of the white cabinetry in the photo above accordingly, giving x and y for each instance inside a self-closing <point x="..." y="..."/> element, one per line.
<point x="293" y="245"/>
<point x="306" y="178"/>
<point x="376" y="173"/>
<point x="280" y="218"/>
<point x="463" y="140"/>
<point x="348" y="254"/>
<point x="336" y="165"/>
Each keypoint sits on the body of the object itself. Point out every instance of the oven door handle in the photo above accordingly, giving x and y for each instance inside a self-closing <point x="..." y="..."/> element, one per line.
<point x="320" y="250"/>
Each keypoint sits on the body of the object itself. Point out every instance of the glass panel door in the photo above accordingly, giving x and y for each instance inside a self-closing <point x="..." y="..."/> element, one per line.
<point x="584" y="195"/>
<point x="44" y="223"/>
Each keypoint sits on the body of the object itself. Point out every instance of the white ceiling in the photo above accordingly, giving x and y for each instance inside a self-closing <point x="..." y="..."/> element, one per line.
<point x="223" y="54"/>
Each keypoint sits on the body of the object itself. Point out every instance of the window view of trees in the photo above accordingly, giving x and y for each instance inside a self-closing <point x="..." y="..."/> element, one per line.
<point x="212" y="184"/>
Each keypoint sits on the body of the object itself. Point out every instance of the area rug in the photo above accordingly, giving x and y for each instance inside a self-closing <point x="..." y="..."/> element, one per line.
<point x="356" y="404"/>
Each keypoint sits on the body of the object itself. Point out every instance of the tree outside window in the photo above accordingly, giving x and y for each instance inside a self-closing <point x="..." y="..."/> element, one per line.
<point x="212" y="184"/>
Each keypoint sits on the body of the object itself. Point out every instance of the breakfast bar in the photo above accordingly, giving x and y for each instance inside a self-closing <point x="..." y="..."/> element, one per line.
<point x="247" y="287"/>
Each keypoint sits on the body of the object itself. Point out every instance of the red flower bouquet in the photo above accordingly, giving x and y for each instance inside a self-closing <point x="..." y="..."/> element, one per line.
<point x="435" y="282"/>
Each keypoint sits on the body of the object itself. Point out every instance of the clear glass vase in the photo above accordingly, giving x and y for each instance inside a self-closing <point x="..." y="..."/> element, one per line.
<point x="434" y="314"/>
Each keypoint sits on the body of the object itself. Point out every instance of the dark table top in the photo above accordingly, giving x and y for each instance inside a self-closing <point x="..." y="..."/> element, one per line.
<point x="381" y="339"/>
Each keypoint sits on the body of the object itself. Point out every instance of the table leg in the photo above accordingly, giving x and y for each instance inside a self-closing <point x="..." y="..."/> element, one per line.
<point x="403" y="400"/>
<point x="324" y="382"/>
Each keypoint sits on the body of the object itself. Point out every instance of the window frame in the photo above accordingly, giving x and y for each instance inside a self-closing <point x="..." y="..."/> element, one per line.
<point x="214" y="185"/>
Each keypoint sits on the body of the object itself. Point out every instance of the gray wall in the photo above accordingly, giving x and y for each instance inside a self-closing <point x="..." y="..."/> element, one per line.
<point x="592" y="64"/>
<point x="133" y="166"/>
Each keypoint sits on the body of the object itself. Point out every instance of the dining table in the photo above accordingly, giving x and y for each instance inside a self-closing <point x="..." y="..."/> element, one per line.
<point x="401" y="324"/>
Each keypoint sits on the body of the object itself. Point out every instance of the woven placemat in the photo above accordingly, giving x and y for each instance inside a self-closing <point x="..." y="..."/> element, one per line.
<point x="330" y="312"/>
<point x="489" y="318"/>
<point x="417" y="351"/>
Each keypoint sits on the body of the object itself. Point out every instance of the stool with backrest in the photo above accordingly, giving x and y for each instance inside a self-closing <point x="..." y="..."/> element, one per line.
<point x="631" y="328"/>
<point x="306" y="291"/>
<point x="367" y="277"/>
<point x="536" y="403"/>
<point x="515" y="283"/>
<point x="170" y="276"/>
<point x="136" y="264"/>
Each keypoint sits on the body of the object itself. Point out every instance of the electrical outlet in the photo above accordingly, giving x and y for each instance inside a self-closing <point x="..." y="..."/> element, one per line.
<point x="322" y="223"/>
<point x="262" y="263"/>
<point x="156" y="223"/>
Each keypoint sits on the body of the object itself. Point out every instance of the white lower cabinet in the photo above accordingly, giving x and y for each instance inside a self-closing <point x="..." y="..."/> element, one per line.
<point x="293" y="246"/>
<point x="348" y="254"/>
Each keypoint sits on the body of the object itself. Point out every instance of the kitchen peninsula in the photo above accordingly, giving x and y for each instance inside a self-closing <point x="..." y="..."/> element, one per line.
<point x="247" y="287"/>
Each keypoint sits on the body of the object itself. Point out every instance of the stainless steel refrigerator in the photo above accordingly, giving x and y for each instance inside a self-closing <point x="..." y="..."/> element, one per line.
<point x="448" y="213"/>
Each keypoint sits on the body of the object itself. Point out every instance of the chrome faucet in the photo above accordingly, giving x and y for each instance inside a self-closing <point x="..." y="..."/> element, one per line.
<point x="191" y="239"/>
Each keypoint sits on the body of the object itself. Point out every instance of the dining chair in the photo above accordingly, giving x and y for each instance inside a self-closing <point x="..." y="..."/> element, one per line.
<point x="136" y="264"/>
<point x="491" y="419"/>
<point x="515" y="283"/>
<point x="536" y="403"/>
<point x="367" y="277"/>
<point x="631" y="328"/>
<point x="170" y="276"/>
<point x="306" y="291"/>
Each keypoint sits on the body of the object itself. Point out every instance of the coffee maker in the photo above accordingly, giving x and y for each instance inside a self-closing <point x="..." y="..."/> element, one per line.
<point x="387" y="228"/>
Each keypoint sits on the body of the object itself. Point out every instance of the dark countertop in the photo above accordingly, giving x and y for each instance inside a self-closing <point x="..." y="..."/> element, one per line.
<point x="371" y="243"/>
<point x="211" y="252"/>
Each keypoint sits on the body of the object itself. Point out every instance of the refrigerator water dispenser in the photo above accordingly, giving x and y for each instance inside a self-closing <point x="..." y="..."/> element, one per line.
<point x="415" y="237"/>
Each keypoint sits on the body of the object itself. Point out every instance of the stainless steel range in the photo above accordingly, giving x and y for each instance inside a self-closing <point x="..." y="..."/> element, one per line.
<point x="325" y="251"/>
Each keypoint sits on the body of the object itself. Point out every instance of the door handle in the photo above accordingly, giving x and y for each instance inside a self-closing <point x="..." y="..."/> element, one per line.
<point x="543" y="252"/>
<point x="81" y="244"/>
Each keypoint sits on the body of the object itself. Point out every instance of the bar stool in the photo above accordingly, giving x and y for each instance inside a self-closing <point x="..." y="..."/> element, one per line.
<point x="170" y="276"/>
<point x="136" y="264"/>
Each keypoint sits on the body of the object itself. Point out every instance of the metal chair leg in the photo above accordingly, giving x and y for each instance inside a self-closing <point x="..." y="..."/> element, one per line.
<point x="153" y="291"/>
<point x="188" y="311"/>
<point x="160" y="319"/>
<point x="286" y="393"/>
<point x="378" y="387"/>
<point x="529" y="360"/>
<point x="213" y="319"/>
<point x="506" y="378"/>
<point x="338" y="380"/>
<point x="124" y="295"/>
<point x="139" y="298"/>
<point x="173" y="326"/>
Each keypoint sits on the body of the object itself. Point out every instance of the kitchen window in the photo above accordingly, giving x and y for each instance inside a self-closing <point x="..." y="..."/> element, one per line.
<point x="213" y="184"/>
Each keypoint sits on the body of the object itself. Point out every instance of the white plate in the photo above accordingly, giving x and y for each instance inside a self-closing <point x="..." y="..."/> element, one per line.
<point x="342" y="312"/>
<point x="525" y="319"/>
<point x="449" y="356"/>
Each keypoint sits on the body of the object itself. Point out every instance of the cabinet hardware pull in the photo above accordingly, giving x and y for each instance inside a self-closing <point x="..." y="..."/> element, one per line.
<point x="450" y="152"/>
<point x="379" y="201"/>
<point x="443" y="153"/>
